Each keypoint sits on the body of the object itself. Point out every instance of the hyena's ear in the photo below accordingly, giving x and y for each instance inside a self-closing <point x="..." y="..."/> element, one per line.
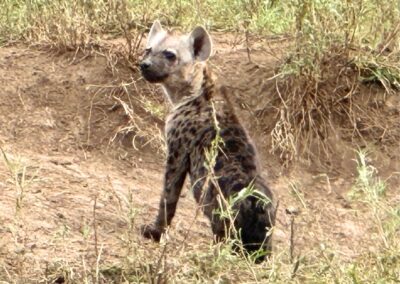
<point x="155" y="30"/>
<point x="200" y="42"/>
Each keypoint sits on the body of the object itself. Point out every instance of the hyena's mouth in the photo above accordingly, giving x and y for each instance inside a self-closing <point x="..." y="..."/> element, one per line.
<point x="154" y="77"/>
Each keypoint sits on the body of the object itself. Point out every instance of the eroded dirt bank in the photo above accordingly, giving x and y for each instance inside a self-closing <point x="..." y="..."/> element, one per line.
<point x="68" y="189"/>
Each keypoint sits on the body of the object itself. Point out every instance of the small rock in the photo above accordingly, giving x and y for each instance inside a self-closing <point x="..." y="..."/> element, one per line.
<point x="19" y="250"/>
<point x="31" y="246"/>
<point x="291" y="210"/>
<point x="60" y="215"/>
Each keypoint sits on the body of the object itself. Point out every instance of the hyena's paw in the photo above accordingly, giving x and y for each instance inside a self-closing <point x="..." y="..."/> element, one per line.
<point x="151" y="232"/>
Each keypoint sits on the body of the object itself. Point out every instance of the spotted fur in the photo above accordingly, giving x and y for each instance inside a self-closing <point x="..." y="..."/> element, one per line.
<point x="177" y="62"/>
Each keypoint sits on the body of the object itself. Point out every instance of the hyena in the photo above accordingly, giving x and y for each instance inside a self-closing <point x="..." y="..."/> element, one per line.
<point x="201" y="110"/>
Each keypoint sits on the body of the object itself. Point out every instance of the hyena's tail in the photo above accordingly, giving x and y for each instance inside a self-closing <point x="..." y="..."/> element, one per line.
<point x="255" y="221"/>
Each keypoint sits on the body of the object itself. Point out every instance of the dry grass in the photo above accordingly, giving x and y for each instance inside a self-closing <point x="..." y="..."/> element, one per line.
<point x="143" y="111"/>
<point x="312" y="110"/>
<point x="320" y="83"/>
<point x="338" y="48"/>
<point x="176" y="260"/>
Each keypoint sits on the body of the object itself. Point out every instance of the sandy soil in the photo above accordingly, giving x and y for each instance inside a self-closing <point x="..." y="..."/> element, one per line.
<point x="65" y="179"/>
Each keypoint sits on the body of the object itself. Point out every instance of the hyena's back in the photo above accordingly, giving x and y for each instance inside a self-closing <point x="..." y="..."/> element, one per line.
<point x="235" y="167"/>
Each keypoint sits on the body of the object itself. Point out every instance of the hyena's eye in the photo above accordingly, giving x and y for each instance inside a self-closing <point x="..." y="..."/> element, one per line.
<point x="169" y="55"/>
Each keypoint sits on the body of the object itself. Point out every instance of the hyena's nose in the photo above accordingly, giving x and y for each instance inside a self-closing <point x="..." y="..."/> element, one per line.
<point x="144" y="65"/>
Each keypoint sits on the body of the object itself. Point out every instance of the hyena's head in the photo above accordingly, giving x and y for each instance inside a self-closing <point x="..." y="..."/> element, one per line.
<point x="173" y="60"/>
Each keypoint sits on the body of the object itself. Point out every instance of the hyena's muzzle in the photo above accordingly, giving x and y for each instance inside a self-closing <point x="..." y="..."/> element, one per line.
<point x="153" y="70"/>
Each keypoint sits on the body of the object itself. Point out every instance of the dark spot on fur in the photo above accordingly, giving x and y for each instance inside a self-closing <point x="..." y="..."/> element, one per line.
<point x="223" y="182"/>
<point x="238" y="132"/>
<point x="260" y="209"/>
<point x="170" y="172"/>
<point x="172" y="132"/>
<point x="202" y="171"/>
<point x="171" y="160"/>
<point x="237" y="187"/>
<point x="226" y="132"/>
<point x="192" y="130"/>
<point x="207" y="133"/>
<point x="233" y="171"/>
<point x="197" y="143"/>
<point x="218" y="165"/>
<point x="240" y="158"/>
<point x="248" y="166"/>
<point x="231" y="145"/>
<point x="196" y="103"/>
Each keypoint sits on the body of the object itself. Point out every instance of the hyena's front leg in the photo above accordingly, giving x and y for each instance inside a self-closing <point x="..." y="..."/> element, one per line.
<point x="173" y="182"/>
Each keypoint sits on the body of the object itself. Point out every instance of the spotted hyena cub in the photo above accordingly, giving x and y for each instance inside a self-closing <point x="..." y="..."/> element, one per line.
<point x="201" y="113"/>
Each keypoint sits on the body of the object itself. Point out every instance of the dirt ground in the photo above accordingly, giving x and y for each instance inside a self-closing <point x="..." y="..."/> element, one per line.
<point x="67" y="188"/>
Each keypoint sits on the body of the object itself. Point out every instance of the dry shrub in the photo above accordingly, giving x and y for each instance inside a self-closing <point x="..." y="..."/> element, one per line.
<point x="140" y="109"/>
<point x="314" y="110"/>
<point x="138" y="125"/>
<point x="326" y="88"/>
<point x="305" y="107"/>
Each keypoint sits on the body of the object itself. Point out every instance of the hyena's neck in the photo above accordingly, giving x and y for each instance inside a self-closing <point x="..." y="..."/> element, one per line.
<point x="200" y="82"/>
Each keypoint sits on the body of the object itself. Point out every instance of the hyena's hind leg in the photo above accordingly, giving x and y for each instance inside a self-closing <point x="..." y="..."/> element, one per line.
<point x="255" y="223"/>
<point x="250" y="234"/>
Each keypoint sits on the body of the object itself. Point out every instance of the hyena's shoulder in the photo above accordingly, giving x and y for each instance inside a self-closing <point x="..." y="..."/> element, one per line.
<point x="188" y="118"/>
